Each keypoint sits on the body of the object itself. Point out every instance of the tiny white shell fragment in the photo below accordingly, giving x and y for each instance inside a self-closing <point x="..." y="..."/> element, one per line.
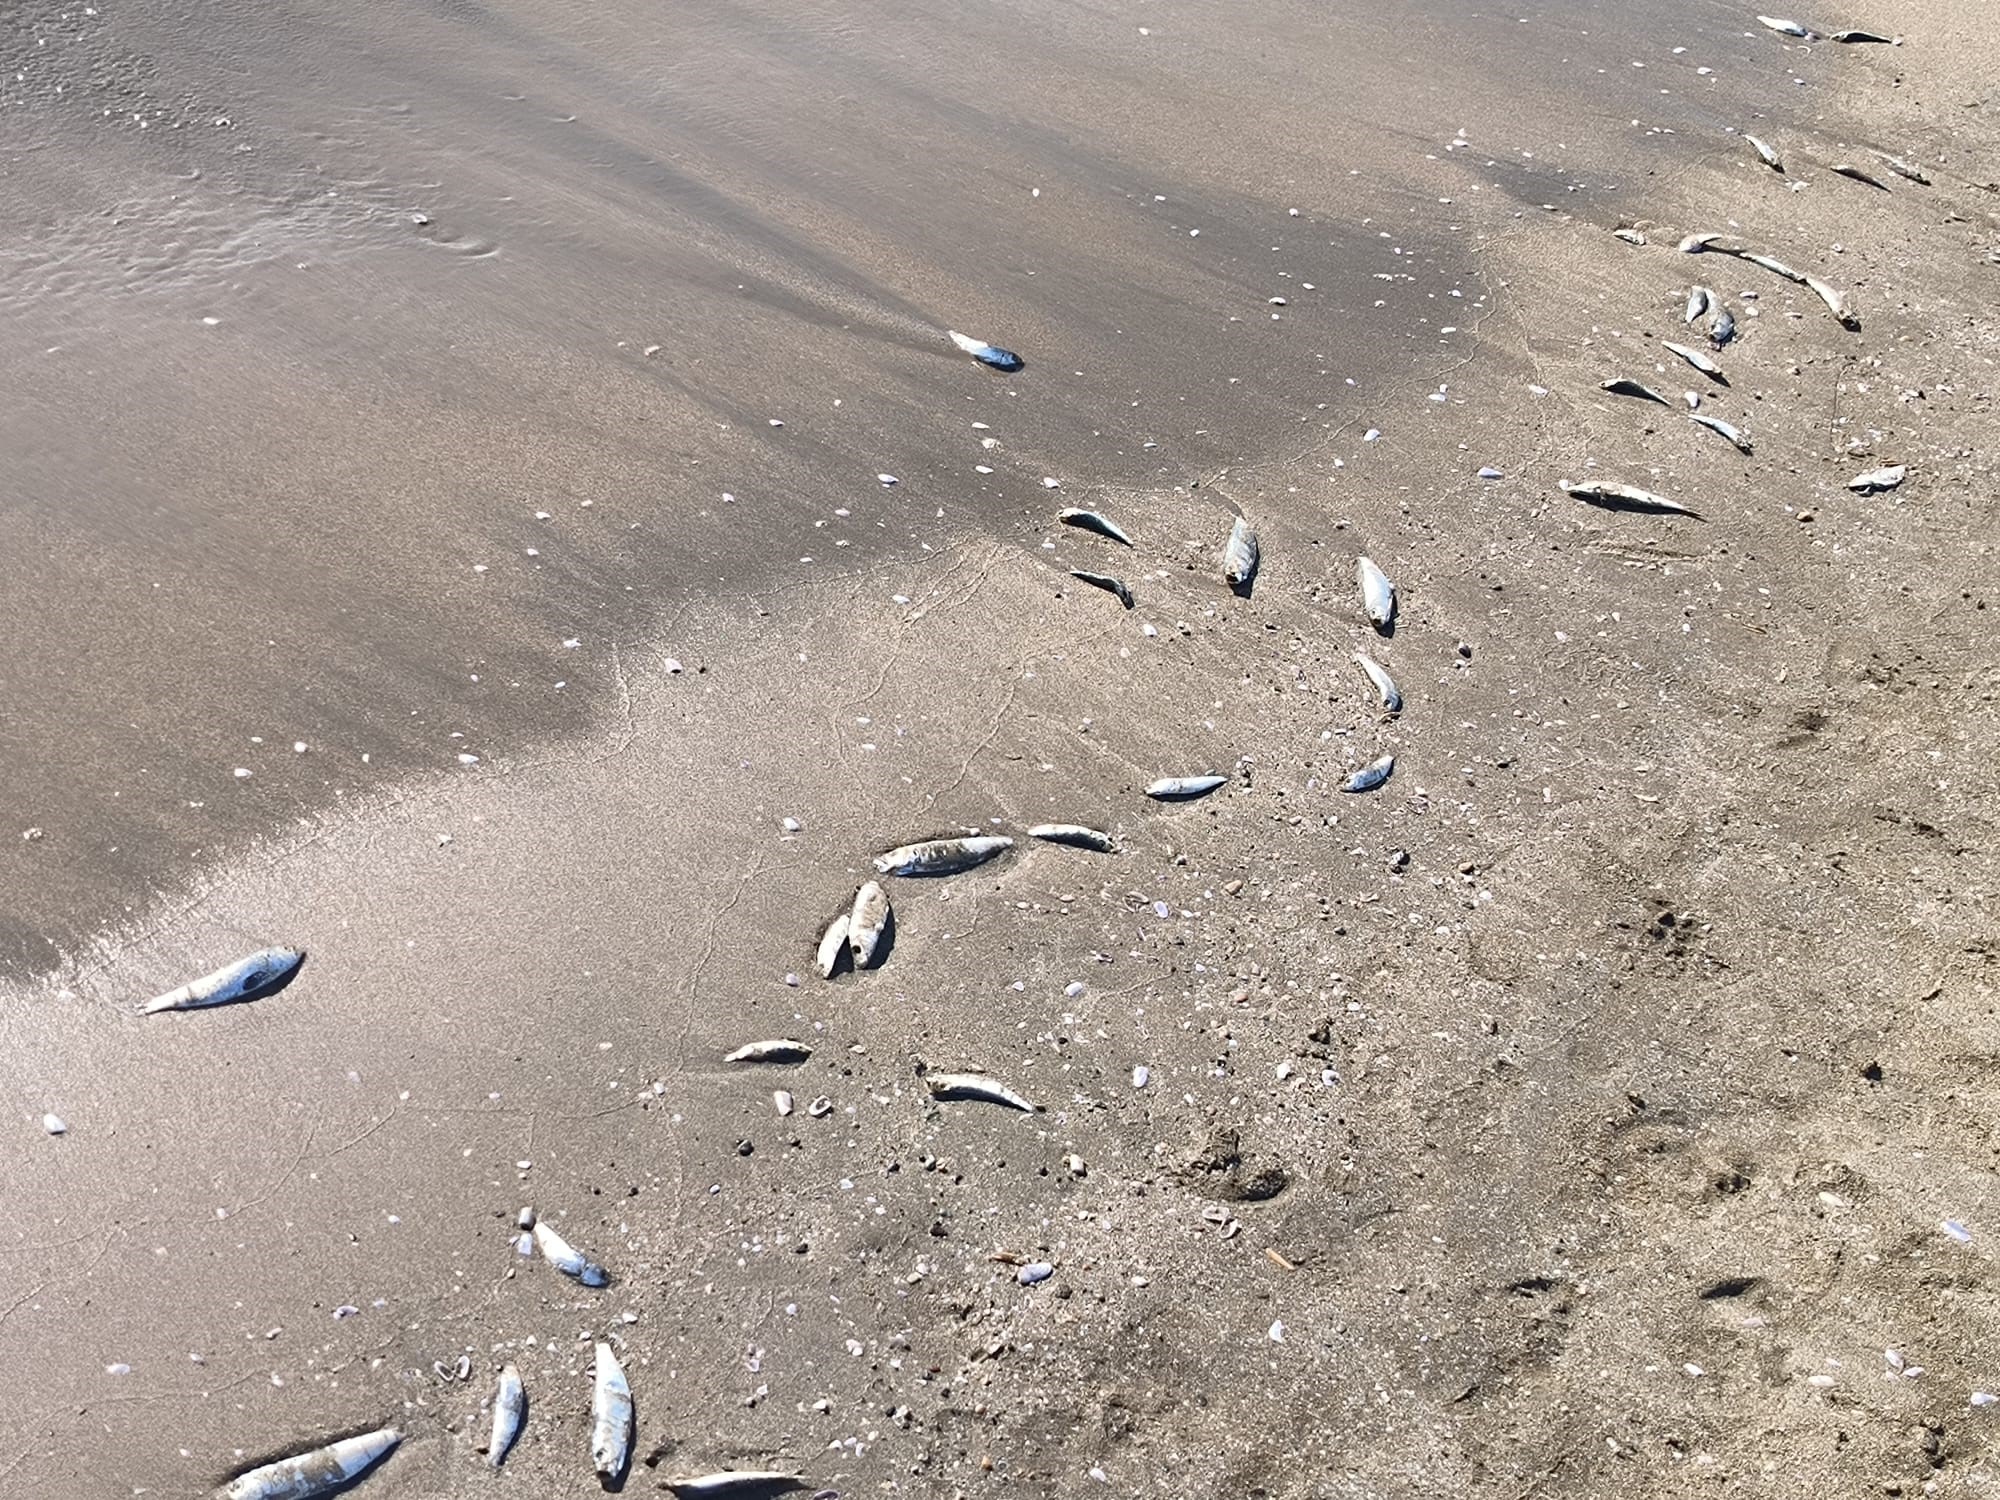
<point x="781" y="1049"/>
<point x="1957" y="1231"/>
<point x="1984" y="1398"/>
<point x="781" y="1101"/>
<point x="55" y="1125"/>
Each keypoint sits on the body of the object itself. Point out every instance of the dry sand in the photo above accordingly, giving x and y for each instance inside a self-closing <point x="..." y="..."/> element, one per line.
<point x="1578" y="1113"/>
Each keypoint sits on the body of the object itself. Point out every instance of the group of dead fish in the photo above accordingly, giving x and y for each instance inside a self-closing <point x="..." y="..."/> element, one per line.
<point x="856" y="937"/>
<point x="1704" y="303"/>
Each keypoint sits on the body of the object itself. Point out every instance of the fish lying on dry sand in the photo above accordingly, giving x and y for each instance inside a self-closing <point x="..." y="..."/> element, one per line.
<point x="246" y="979"/>
<point x="1717" y="425"/>
<point x="510" y="1404"/>
<point x="1876" y="480"/>
<point x="1371" y="775"/>
<point x="1105" y="581"/>
<point x="976" y="1087"/>
<point x="867" y="922"/>
<point x="610" y="1416"/>
<point x="1696" y="358"/>
<point x="1623" y="387"/>
<point x="777" y="1049"/>
<point x="1378" y="595"/>
<point x="1239" y="554"/>
<point x="832" y="946"/>
<point x="316" y="1473"/>
<point x="942" y="856"/>
<point x="567" y="1259"/>
<point x="1180" y="788"/>
<point x="1764" y="150"/>
<point x="1090" y="520"/>
<point x="1609" y="496"/>
<point x="734" y="1483"/>
<point x="1076" y="835"/>
<point x="1385" y="685"/>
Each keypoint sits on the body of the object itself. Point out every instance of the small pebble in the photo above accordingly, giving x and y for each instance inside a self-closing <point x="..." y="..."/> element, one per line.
<point x="1034" y="1271"/>
<point x="1141" y="1076"/>
<point x="55" y="1125"/>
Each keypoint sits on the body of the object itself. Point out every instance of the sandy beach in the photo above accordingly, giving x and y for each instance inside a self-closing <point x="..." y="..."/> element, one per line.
<point x="492" y="503"/>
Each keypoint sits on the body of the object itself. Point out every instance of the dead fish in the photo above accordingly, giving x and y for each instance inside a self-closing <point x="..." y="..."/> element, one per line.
<point x="611" y="1416"/>
<point x="1623" y="387"/>
<point x="1764" y="150"/>
<point x="832" y="945"/>
<point x="314" y="1473"/>
<point x="1836" y="302"/>
<point x="1630" y="236"/>
<point x="1385" y="685"/>
<point x="1864" y="36"/>
<point x="1788" y="28"/>
<point x="734" y="1482"/>
<point x="1625" y="497"/>
<point x="1090" y="520"/>
<point x="1106" y="582"/>
<point x="1904" y="169"/>
<point x="1696" y="358"/>
<point x="1716" y="424"/>
<point x="1180" y="788"/>
<point x="1075" y="835"/>
<point x="510" y="1403"/>
<point x="976" y="1087"/>
<point x="1859" y="174"/>
<point x="867" y="922"/>
<point x="1371" y="775"/>
<point x="1772" y="264"/>
<point x="1239" y="554"/>
<point x="1722" y="329"/>
<point x="778" y="1049"/>
<point x="567" y="1259"/>
<point x="1876" y="480"/>
<point x="1694" y="244"/>
<point x="1700" y="299"/>
<point x="942" y="856"/>
<point x="246" y="979"/>
<point x="1378" y="595"/>
<point x="991" y="355"/>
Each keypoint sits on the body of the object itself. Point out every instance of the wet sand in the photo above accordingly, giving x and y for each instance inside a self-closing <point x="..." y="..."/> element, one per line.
<point x="1549" y="1120"/>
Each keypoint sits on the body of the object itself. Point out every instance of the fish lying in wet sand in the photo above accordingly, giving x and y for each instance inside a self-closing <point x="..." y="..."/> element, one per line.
<point x="1877" y="480"/>
<point x="942" y="856"/>
<point x="734" y="1483"/>
<point x="777" y="1049"/>
<point x="832" y="947"/>
<point x="991" y="355"/>
<point x="1904" y="169"/>
<point x="1859" y="174"/>
<point x="316" y="1473"/>
<point x="1764" y="150"/>
<point x="1609" y="496"/>
<point x="1788" y="28"/>
<point x="1723" y="328"/>
<point x="611" y="1416"/>
<point x="246" y="979"/>
<point x="1700" y="299"/>
<point x="1696" y="358"/>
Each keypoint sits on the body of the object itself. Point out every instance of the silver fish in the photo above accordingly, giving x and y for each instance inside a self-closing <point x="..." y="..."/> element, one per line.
<point x="992" y="355"/>
<point x="510" y="1403"/>
<point x="733" y="1482"/>
<point x="1716" y="424"/>
<point x="567" y="1259"/>
<point x="1106" y="582"/>
<point x="1630" y="236"/>
<point x="1075" y="835"/>
<point x="976" y="1087"/>
<point x="1623" y="387"/>
<point x="1239" y="554"/>
<point x="1699" y="300"/>
<point x="1694" y="244"/>
<point x="832" y="947"/>
<point x="611" y="1416"/>
<point x="1378" y="595"/>
<point x="1723" y="328"/>
<point x="1625" y="497"/>
<point x="314" y="1473"/>
<point x="1789" y="28"/>
<point x="1090" y="520"/>
<point x="1904" y="169"/>
<point x="1836" y="302"/>
<point x="1864" y="36"/>
<point x="1178" y="788"/>
<point x="942" y="856"/>
<point x="1859" y="174"/>
<point x="779" y="1049"/>
<point x="1696" y="358"/>
<point x="1385" y="685"/>
<point x="245" y="979"/>
<point x="1371" y="775"/>
<point x="1876" y="480"/>
<point x="1770" y="263"/>
<point x="867" y="922"/>
<point x="1764" y="150"/>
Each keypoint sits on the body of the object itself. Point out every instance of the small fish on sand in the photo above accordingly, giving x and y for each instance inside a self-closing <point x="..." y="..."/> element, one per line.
<point x="1371" y="775"/>
<point x="1764" y="150"/>
<point x="735" y="1484"/>
<point x="1239" y="554"/>
<point x="1770" y="263"/>
<point x="1723" y="328"/>
<point x="1700" y="299"/>
<point x="1717" y="425"/>
<point x="1385" y="685"/>
<point x="977" y="1088"/>
<point x="1105" y="581"/>
<point x="1076" y="835"/>
<point x="1629" y="235"/>
<point x="777" y="1049"/>
<point x="1090" y="520"/>
<point x="1864" y="36"/>
<point x="942" y="856"/>
<point x="510" y="1403"/>
<point x="1836" y="302"/>
<point x="567" y="1259"/>
<point x="1181" y="788"/>
<point x="315" y="1473"/>
<point x="991" y="355"/>
<point x="1610" y="496"/>
<point x="1696" y="358"/>
<point x="832" y="947"/>
<point x="1906" y="170"/>
<point x="246" y="979"/>
<point x="1623" y="387"/>
<point x="1378" y="595"/>
<point x="611" y="1416"/>
<point x="1788" y="28"/>
<point x="1859" y="174"/>
<point x="1877" y="480"/>
<point x="867" y="922"/>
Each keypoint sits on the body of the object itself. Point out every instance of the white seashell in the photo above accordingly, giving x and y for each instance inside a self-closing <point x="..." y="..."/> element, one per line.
<point x="55" y="1125"/>
<point x="781" y="1101"/>
<point x="1034" y="1271"/>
